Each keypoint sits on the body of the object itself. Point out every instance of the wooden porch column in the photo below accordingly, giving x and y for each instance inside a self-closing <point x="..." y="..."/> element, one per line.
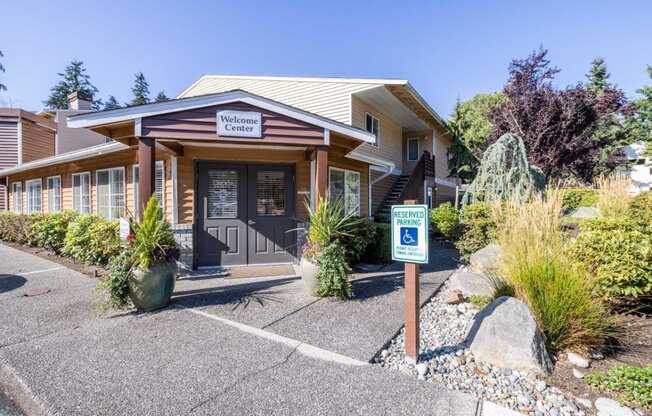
<point x="146" y="171"/>
<point x="321" y="172"/>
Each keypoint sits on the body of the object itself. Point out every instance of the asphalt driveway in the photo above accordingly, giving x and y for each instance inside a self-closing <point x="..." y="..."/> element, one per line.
<point x="59" y="356"/>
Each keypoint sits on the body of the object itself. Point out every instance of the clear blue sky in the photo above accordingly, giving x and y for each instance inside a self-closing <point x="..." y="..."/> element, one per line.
<point x="446" y="49"/>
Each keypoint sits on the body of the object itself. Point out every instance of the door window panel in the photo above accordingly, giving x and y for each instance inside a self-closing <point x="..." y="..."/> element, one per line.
<point x="222" y="198"/>
<point x="271" y="192"/>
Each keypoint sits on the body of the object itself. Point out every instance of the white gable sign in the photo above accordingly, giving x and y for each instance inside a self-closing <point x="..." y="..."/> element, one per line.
<point x="233" y="123"/>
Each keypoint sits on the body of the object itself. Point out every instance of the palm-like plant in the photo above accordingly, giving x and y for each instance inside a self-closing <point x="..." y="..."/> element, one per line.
<point x="153" y="238"/>
<point x="329" y="223"/>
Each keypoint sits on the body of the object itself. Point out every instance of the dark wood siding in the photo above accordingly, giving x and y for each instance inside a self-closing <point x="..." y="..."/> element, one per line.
<point x="37" y="141"/>
<point x="8" y="143"/>
<point x="201" y="124"/>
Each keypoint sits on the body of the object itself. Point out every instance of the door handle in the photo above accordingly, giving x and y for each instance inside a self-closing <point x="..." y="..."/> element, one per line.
<point x="251" y="222"/>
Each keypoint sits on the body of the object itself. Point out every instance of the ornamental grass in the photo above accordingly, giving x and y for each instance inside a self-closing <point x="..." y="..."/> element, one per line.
<point x="613" y="195"/>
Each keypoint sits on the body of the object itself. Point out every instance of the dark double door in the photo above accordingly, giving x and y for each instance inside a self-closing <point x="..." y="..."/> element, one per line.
<point x="245" y="214"/>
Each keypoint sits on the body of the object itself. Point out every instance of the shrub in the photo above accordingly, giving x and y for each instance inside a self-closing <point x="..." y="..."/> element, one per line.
<point x="574" y="198"/>
<point x="153" y="239"/>
<point x="116" y="284"/>
<point x="329" y="223"/>
<point x="445" y="219"/>
<point x="18" y="228"/>
<point x="640" y="212"/>
<point x="355" y="244"/>
<point x="613" y="195"/>
<point x="379" y="249"/>
<point x="534" y="261"/>
<point x="91" y="240"/>
<point x="618" y="255"/>
<point x="478" y="229"/>
<point x="50" y="230"/>
<point x="633" y="384"/>
<point x="334" y="272"/>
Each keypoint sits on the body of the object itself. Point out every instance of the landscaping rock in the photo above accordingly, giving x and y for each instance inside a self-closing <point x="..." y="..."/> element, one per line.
<point x="585" y="212"/>
<point x="587" y="403"/>
<point x="577" y="360"/>
<point x="505" y="334"/>
<point x="471" y="283"/>
<point x="486" y="260"/>
<point x="577" y="373"/>
<point x="454" y="297"/>
<point x="609" y="407"/>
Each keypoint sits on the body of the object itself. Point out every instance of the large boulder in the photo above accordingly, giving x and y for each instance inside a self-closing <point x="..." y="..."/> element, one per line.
<point x="505" y="334"/>
<point x="471" y="283"/>
<point x="486" y="260"/>
<point x="585" y="212"/>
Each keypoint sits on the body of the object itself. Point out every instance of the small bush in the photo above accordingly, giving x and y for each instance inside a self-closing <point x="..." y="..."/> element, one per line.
<point x="478" y="229"/>
<point x="356" y="243"/>
<point x="445" y="219"/>
<point x="116" y="284"/>
<point x="613" y="195"/>
<point x="574" y="198"/>
<point x="633" y="384"/>
<point x="560" y="294"/>
<point x="153" y="239"/>
<point x="640" y="212"/>
<point x="92" y="240"/>
<point x="334" y="272"/>
<point x="18" y="228"/>
<point x="49" y="231"/>
<point x="379" y="249"/>
<point x="617" y="254"/>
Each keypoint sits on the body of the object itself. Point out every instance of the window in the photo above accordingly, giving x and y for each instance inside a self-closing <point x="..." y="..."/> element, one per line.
<point x="345" y="185"/>
<point x="429" y="199"/>
<point x="54" y="194"/>
<point x="222" y="198"/>
<point x="271" y="192"/>
<point x="159" y="181"/>
<point x="111" y="193"/>
<point x="413" y="149"/>
<point x="34" y="188"/>
<point x="372" y="126"/>
<point x="17" y="190"/>
<point x="81" y="192"/>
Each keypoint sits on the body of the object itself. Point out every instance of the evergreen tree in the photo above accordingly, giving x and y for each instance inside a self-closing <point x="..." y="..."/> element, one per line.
<point x="140" y="90"/>
<point x="74" y="79"/>
<point x="161" y="97"/>
<point x="639" y="118"/>
<point x="3" y="87"/>
<point x="111" y="103"/>
<point x="598" y="77"/>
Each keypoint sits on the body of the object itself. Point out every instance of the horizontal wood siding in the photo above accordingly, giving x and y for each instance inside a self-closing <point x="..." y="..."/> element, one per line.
<point x="37" y="141"/>
<point x="328" y="99"/>
<point x="201" y="124"/>
<point x="8" y="143"/>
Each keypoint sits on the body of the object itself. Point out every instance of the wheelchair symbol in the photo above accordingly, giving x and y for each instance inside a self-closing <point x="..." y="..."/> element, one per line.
<point x="409" y="236"/>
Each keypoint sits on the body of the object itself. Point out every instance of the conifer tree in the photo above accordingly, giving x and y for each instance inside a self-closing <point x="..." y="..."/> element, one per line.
<point x="3" y="87"/>
<point x="598" y="77"/>
<point x="161" y="97"/>
<point x="640" y="118"/>
<point x="74" y="79"/>
<point x="111" y="103"/>
<point x="140" y="90"/>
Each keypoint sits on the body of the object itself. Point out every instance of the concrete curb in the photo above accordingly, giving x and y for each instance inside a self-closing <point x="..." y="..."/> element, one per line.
<point x="19" y="392"/>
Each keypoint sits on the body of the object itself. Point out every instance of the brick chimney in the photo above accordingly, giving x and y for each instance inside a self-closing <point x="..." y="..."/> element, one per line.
<point x="79" y="101"/>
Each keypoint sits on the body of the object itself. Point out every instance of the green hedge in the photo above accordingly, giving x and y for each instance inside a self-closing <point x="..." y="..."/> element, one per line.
<point x="445" y="220"/>
<point x="618" y="254"/>
<point x="478" y="229"/>
<point x="640" y="212"/>
<point x="85" y="238"/>
<point x="574" y="198"/>
<point x="379" y="249"/>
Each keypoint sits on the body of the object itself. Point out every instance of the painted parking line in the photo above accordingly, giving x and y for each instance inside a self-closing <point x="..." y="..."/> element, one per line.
<point x="42" y="271"/>
<point x="303" y="348"/>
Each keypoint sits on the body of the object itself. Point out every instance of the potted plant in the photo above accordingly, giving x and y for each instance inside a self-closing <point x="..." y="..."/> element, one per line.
<point x="154" y="266"/>
<point x="145" y="271"/>
<point x="324" y="265"/>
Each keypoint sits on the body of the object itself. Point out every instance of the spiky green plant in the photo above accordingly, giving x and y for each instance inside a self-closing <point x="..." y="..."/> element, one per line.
<point x="153" y="238"/>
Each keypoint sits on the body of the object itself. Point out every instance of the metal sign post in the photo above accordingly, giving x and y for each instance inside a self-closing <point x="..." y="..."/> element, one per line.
<point x="410" y="245"/>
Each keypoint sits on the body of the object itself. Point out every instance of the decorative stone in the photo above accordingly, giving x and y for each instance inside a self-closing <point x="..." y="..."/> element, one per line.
<point x="577" y="360"/>
<point x="609" y="407"/>
<point x="469" y="283"/>
<point x="587" y="403"/>
<point x="486" y="260"/>
<point x="577" y="373"/>
<point x="585" y="212"/>
<point x="505" y="334"/>
<point x="422" y="369"/>
<point x="454" y="297"/>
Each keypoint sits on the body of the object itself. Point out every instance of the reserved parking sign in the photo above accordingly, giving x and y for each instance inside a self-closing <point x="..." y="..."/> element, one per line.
<point x="410" y="233"/>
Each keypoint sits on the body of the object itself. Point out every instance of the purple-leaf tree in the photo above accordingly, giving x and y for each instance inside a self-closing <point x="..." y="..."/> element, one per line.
<point x="557" y="126"/>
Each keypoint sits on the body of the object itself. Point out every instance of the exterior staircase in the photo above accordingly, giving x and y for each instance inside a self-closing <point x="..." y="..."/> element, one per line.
<point x="392" y="198"/>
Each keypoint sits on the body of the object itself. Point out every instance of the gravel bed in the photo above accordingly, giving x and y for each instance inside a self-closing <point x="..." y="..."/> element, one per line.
<point x="446" y="360"/>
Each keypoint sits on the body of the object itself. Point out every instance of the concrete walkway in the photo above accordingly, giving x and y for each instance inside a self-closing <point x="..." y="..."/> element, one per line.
<point x="58" y="356"/>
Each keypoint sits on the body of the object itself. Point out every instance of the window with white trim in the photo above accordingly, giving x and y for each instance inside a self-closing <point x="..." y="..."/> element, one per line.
<point x="81" y="192"/>
<point x="54" y="194"/>
<point x="159" y="185"/>
<point x="110" y="185"/>
<point x="17" y="192"/>
<point x="412" y="150"/>
<point x="345" y="185"/>
<point x="34" y="194"/>
<point x="372" y="125"/>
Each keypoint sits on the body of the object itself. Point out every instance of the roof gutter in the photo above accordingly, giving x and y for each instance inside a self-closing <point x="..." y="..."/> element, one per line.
<point x="429" y="109"/>
<point x="98" y="150"/>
